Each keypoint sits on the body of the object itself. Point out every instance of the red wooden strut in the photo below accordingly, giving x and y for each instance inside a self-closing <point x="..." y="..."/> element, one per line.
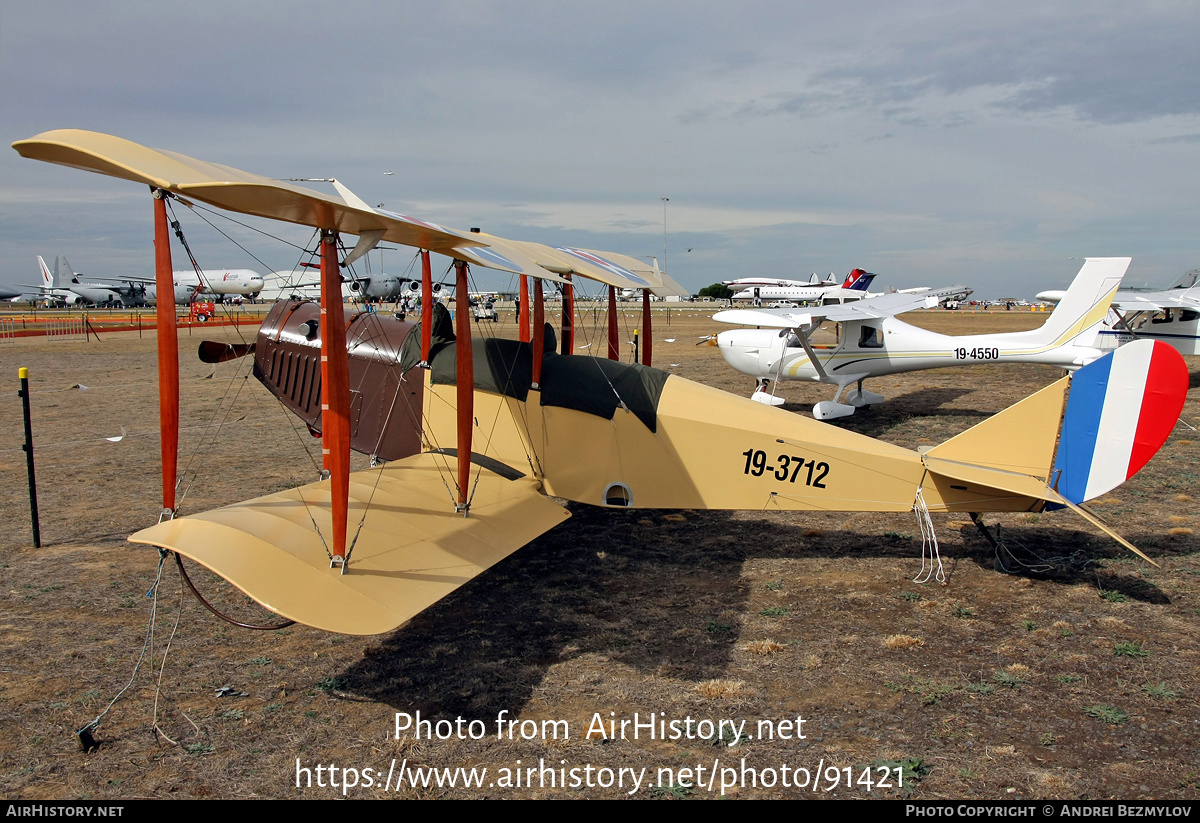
<point x="335" y="393"/>
<point x="568" y="317"/>
<point x="614" y="351"/>
<point x="647" y="331"/>
<point x="523" y="311"/>
<point x="426" y="307"/>
<point x="168" y="352"/>
<point x="464" y="356"/>
<point x="539" y="332"/>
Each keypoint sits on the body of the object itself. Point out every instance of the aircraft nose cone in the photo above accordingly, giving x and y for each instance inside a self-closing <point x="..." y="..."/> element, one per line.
<point x="737" y="353"/>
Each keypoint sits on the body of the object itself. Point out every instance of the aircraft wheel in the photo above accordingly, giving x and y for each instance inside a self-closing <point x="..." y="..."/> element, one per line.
<point x="769" y="399"/>
<point x="828" y="410"/>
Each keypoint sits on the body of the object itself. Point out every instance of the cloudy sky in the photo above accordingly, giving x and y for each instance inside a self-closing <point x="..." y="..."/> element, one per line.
<point x="929" y="142"/>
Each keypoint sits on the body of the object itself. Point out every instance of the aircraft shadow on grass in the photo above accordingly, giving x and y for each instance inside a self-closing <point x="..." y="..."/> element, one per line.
<point x="639" y="591"/>
<point x="876" y="421"/>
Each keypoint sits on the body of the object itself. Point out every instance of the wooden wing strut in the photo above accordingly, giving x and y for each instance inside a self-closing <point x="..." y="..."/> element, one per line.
<point x="335" y="394"/>
<point x="168" y="352"/>
<point x="614" y="350"/>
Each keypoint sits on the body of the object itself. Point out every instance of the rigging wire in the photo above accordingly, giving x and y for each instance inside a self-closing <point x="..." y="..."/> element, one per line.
<point x="198" y="207"/>
<point x="163" y="668"/>
<point x="929" y="543"/>
<point x="86" y="741"/>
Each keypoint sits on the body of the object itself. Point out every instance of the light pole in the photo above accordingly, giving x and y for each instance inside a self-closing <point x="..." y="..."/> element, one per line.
<point x="665" y="200"/>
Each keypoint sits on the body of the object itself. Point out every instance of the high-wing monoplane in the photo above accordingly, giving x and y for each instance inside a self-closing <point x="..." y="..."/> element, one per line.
<point x="870" y="341"/>
<point x="479" y="435"/>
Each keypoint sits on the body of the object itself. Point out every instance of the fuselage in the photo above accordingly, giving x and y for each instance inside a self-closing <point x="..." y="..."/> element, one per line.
<point x="1177" y="327"/>
<point x="886" y="346"/>
<point x="854" y="287"/>
<point x="220" y="282"/>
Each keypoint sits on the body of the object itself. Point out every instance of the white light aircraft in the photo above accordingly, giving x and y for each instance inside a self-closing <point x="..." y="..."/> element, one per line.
<point x="1172" y="316"/>
<point x="871" y="342"/>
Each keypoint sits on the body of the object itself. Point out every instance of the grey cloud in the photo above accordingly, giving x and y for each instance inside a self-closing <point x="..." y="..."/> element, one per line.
<point x="1125" y="64"/>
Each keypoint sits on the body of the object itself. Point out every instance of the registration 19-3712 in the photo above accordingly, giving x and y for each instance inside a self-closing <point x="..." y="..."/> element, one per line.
<point x="787" y="468"/>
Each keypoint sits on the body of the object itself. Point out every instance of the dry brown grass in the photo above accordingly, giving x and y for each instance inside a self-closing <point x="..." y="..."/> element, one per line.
<point x="764" y="647"/>
<point x="903" y="641"/>
<point x="718" y="689"/>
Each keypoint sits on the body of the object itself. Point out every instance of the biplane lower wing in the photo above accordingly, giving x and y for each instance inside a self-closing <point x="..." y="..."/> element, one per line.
<point x="412" y="549"/>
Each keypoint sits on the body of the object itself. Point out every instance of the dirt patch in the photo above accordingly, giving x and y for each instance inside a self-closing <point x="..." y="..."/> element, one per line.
<point x="1071" y="676"/>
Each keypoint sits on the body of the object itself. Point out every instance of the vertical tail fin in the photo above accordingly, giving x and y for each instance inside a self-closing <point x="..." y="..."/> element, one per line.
<point x="1079" y="314"/>
<point x="64" y="276"/>
<point x="47" y="279"/>
<point x="1120" y="411"/>
<point x="858" y="280"/>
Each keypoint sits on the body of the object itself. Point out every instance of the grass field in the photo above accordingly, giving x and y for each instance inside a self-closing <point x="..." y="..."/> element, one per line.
<point x="1074" y="675"/>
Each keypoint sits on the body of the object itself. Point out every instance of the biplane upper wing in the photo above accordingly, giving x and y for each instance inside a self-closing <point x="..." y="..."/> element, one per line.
<point x="246" y="193"/>
<point x="662" y="284"/>
<point x="412" y="548"/>
<point x="885" y="305"/>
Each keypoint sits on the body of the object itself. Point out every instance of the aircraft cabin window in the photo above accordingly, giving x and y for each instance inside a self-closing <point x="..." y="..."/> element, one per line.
<point x="868" y="338"/>
<point x="1187" y="315"/>
<point x="1163" y="316"/>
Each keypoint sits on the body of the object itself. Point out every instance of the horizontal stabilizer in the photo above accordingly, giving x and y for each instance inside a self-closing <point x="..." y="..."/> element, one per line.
<point x="412" y="549"/>
<point x="1019" y="439"/>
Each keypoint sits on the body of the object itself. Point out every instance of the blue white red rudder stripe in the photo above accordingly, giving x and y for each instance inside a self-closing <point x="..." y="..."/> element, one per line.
<point x="1120" y="410"/>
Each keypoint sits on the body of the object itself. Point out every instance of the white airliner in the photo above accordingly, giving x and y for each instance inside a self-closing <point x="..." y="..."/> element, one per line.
<point x="854" y="287"/>
<point x="188" y="285"/>
<point x="871" y="342"/>
<point x="1172" y="316"/>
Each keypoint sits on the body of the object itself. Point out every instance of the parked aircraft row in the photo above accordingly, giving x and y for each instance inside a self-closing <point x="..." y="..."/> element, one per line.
<point x="823" y="292"/>
<point x="65" y="287"/>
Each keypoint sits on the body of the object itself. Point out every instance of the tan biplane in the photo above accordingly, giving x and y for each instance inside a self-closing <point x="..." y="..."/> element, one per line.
<point x="476" y="446"/>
